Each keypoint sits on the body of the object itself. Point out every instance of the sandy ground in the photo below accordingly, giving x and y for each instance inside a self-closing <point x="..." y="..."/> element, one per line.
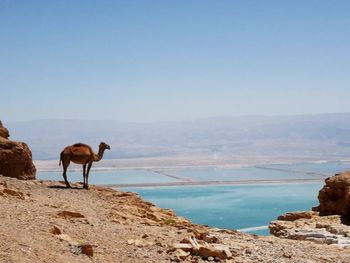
<point x="120" y="227"/>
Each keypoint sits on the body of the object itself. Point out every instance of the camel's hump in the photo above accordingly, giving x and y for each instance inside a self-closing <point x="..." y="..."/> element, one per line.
<point x="80" y="145"/>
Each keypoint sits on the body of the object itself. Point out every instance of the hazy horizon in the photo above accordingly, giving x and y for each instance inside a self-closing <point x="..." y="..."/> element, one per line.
<point x="312" y="136"/>
<point x="151" y="61"/>
<point x="4" y="120"/>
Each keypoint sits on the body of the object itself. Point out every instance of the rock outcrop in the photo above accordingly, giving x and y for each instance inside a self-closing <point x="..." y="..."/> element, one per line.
<point x="4" y="133"/>
<point x="329" y="222"/>
<point x="15" y="157"/>
<point x="334" y="197"/>
<point x="310" y="226"/>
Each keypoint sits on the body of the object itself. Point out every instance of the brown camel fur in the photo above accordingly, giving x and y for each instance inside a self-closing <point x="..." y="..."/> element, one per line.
<point x="81" y="154"/>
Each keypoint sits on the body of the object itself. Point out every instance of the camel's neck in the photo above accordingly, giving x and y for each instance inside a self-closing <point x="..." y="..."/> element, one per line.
<point x="99" y="156"/>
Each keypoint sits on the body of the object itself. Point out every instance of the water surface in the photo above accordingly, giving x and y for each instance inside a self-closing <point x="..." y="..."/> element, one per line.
<point x="234" y="206"/>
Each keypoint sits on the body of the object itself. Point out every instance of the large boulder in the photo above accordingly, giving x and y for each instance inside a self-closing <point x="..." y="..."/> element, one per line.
<point x="334" y="197"/>
<point x="15" y="157"/>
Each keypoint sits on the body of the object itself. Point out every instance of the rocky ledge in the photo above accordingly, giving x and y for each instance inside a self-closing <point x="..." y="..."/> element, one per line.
<point x="311" y="226"/>
<point x="15" y="157"/>
<point x="42" y="221"/>
<point x="329" y="223"/>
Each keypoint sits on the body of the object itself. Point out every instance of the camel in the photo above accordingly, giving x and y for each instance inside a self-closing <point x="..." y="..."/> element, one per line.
<point x="81" y="153"/>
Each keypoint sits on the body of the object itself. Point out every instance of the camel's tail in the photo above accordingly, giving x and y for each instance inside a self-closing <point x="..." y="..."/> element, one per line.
<point x="61" y="158"/>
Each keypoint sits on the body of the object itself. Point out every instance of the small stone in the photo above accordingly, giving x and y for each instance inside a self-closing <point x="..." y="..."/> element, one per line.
<point x="182" y="255"/>
<point x="65" y="237"/>
<point x="287" y="254"/>
<point x="75" y="250"/>
<point x="82" y="249"/>
<point x="159" y="244"/>
<point x="55" y="230"/>
<point x="210" y="259"/>
<point x="248" y="251"/>
<point x="206" y="252"/>
<point x="183" y="246"/>
<point x="69" y="214"/>
<point x="135" y="242"/>
<point x="87" y="250"/>
<point x="138" y="243"/>
<point x="210" y="239"/>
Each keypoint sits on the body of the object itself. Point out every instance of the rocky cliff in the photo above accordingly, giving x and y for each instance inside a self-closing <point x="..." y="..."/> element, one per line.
<point x="334" y="197"/>
<point x="15" y="157"/>
<point x="329" y="223"/>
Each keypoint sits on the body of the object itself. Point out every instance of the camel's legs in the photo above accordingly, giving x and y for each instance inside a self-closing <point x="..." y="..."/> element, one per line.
<point x="87" y="175"/>
<point x="65" y="166"/>
<point x="84" y="174"/>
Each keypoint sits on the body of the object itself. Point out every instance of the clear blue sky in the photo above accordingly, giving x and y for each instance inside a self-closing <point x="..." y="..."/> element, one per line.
<point x="171" y="60"/>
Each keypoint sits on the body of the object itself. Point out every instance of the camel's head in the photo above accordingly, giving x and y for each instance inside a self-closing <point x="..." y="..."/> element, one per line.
<point x="104" y="146"/>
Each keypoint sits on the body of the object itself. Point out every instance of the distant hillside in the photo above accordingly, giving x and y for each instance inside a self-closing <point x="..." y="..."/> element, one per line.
<point x="324" y="135"/>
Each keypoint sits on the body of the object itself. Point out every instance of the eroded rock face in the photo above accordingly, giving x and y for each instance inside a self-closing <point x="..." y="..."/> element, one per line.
<point x="15" y="157"/>
<point x="4" y="133"/>
<point x="334" y="197"/>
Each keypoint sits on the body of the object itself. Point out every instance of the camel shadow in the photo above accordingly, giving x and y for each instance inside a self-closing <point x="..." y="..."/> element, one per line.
<point x="64" y="187"/>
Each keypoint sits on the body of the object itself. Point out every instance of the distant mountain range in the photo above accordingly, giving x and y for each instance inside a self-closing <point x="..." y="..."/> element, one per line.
<point x="322" y="135"/>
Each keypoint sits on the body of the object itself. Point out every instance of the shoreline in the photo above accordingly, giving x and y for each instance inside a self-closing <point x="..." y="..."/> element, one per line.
<point x="215" y="183"/>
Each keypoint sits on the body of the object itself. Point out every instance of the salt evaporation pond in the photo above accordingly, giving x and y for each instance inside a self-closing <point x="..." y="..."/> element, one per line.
<point x="234" y="174"/>
<point x="226" y="206"/>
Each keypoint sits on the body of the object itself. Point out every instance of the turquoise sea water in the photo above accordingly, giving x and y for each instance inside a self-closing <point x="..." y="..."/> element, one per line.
<point x="234" y="206"/>
<point x="228" y="206"/>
